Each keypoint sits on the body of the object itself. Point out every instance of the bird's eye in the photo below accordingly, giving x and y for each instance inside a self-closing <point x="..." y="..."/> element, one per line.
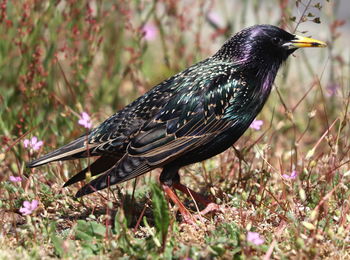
<point x="276" y="40"/>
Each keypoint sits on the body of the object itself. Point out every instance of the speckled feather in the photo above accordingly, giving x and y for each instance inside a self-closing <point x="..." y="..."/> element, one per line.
<point x="187" y="118"/>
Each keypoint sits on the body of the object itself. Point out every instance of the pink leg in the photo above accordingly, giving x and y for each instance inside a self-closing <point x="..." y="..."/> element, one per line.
<point x="188" y="218"/>
<point x="209" y="205"/>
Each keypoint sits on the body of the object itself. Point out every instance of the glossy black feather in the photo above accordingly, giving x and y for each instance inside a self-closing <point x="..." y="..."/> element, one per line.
<point x="99" y="166"/>
<point x="189" y="117"/>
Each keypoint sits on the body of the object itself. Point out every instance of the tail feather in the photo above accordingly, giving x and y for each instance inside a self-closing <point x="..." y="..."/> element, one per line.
<point x="126" y="169"/>
<point x="101" y="165"/>
<point x="73" y="150"/>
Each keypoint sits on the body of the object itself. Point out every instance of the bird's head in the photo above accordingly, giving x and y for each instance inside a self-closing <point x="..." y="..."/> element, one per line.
<point x="264" y="44"/>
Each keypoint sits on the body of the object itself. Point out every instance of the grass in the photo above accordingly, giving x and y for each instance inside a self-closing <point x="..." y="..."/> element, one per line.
<point x="60" y="58"/>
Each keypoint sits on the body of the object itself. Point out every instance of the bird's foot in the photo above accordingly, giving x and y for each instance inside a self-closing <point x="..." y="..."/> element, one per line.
<point x="212" y="208"/>
<point x="192" y="219"/>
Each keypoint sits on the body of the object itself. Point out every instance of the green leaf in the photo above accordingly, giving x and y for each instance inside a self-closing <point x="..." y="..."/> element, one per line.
<point x="91" y="234"/>
<point x="89" y="230"/>
<point x="56" y="241"/>
<point x="218" y="250"/>
<point x="57" y="244"/>
<point x="160" y="211"/>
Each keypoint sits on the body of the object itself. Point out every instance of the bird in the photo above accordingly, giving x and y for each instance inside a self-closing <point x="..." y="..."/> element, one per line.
<point x="189" y="117"/>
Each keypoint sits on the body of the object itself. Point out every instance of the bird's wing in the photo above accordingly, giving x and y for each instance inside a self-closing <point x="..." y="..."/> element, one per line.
<point x="189" y="120"/>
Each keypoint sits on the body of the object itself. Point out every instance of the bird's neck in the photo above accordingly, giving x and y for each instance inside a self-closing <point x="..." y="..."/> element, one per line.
<point x="267" y="72"/>
<point x="263" y="76"/>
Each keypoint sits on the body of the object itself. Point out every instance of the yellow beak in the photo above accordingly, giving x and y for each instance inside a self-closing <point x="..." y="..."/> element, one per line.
<point x="303" y="42"/>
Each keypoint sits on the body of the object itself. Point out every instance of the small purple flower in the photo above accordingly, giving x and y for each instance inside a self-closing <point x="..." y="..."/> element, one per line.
<point x="256" y="124"/>
<point x="332" y="89"/>
<point x="85" y="120"/>
<point x="29" y="207"/>
<point x="15" y="178"/>
<point x="292" y="175"/>
<point x="216" y="19"/>
<point x="149" y="31"/>
<point x="254" y="238"/>
<point x="33" y="143"/>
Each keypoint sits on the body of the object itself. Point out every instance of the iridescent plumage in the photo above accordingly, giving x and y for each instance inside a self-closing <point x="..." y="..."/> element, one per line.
<point x="189" y="117"/>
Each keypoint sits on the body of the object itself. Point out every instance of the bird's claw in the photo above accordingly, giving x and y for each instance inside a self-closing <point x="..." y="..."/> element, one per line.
<point x="193" y="219"/>
<point x="212" y="207"/>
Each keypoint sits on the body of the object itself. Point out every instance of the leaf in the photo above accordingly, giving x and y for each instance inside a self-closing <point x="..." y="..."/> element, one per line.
<point x="91" y="234"/>
<point x="56" y="241"/>
<point x="57" y="244"/>
<point x="89" y="230"/>
<point x="160" y="211"/>
<point x="218" y="250"/>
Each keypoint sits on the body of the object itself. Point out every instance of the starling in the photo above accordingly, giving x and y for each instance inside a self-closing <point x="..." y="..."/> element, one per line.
<point x="190" y="117"/>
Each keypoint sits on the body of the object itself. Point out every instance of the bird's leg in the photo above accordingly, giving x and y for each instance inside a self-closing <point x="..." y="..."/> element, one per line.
<point x="188" y="218"/>
<point x="167" y="178"/>
<point x="210" y="206"/>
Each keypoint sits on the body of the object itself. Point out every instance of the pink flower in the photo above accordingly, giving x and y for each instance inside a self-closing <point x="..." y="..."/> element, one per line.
<point x="292" y="175"/>
<point x="33" y="143"/>
<point x="149" y="31"/>
<point x="332" y="89"/>
<point x="256" y="124"/>
<point x="215" y="19"/>
<point x="254" y="238"/>
<point x="29" y="207"/>
<point x="15" y="179"/>
<point x="85" y="120"/>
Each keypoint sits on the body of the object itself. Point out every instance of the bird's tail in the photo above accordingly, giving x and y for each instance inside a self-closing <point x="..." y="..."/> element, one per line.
<point x="125" y="169"/>
<point x="73" y="150"/>
<point x="101" y="165"/>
